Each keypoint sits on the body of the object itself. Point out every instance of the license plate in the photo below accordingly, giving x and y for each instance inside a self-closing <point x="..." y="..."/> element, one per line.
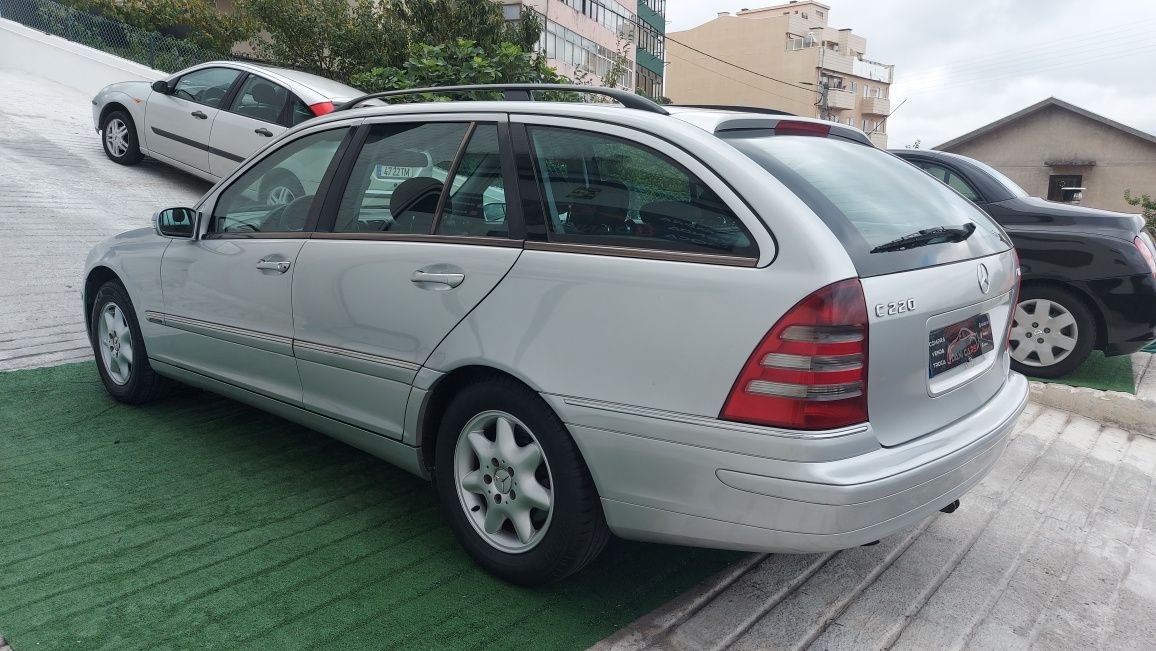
<point x="958" y="344"/>
<point x="394" y="172"/>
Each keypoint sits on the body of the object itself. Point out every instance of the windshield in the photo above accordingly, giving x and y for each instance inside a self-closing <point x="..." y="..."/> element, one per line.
<point x="1006" y="183"/>
<point x="868" y="197"/>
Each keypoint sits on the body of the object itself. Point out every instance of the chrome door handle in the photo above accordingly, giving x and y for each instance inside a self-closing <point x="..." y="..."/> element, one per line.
<point x="451" y="280"/>
<point x="280" y="266"/>
<point x="200" y="115"/>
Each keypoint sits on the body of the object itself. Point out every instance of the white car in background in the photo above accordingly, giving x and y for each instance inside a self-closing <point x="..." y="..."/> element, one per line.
<point x="209" y="118"/>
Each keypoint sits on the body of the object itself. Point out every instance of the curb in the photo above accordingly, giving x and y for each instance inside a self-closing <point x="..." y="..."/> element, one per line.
<point x="1124" y="410"/>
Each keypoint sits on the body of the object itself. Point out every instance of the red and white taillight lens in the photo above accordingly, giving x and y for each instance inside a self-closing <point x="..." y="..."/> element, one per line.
<point x="321" y="108"/>
<point x="1145" y="252"/>
<point x="810" y="371"/>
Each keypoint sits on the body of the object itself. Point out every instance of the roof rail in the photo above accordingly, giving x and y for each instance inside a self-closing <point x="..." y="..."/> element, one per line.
<point x="522" y="93"/>
<point x="734" y="107"/>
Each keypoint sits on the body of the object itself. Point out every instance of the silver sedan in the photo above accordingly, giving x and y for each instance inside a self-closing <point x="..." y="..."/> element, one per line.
<point x="209" y="118"/>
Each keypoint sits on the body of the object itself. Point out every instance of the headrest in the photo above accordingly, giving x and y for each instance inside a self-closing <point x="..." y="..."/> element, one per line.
<point x="415" y="194"/>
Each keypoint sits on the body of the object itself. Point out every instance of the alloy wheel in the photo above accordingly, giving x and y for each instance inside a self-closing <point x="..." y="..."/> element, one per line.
<point x="503" y="481"/>
<point x="1043" y="333"/>
<point x="116" y="137"/>
<point x="114" y="339"/>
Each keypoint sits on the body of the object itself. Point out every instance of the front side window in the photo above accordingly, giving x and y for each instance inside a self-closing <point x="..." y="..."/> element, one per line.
<point x="604" y="190"/>
<point x="260" y="99"/>
<point x="274" y="196"/>
<point x="207" y="86"/>
<point x="397" y="181"/>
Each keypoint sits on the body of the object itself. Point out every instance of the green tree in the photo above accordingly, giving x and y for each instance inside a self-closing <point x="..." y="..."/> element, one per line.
<point x="443" y="22"/>
<point x="197" y="21"/>
<point x="334" y="38"/>
<point x="1147" y="208"/>
<point x="457" y="63"/>
<point x="342" y="39"/>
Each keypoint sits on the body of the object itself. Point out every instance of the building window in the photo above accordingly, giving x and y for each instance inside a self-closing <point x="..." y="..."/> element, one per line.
<point x="1057" y="183"/>
<point x="563" y="45"/>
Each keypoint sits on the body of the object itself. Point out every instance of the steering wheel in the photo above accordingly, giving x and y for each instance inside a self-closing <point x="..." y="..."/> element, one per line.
<point x="289" y="217"/>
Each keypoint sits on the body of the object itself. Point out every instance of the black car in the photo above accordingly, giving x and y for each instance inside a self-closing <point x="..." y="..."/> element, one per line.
<point x="1089" y="276"/>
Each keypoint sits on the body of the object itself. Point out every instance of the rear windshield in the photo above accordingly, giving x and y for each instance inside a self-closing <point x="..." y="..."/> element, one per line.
<point x="868" y="197"/>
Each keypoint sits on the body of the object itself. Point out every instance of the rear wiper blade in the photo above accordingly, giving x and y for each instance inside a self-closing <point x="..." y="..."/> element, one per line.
<point x="927" y="236"/>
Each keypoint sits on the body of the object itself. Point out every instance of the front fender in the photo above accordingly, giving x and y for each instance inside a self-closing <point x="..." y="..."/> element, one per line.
<point x="132" y="95"/>
<point x="133" y="258"/>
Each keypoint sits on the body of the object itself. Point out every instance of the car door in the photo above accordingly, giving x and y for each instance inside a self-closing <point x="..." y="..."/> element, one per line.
<point x="402" y="263"/>
<point x="178" y="125"/>
<point x="227" y="295"/>
<point x="256" y="114"/>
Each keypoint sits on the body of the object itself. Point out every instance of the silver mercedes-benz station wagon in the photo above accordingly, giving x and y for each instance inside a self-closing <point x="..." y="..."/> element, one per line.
<point x="698" y="326"/>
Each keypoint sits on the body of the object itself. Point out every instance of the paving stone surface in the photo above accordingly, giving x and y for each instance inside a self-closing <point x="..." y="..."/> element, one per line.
<point x="1055" y="549"/>
<point x="60" y="195"/>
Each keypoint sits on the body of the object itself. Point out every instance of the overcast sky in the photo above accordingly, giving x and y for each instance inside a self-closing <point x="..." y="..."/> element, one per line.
<point x="963" y="64"/>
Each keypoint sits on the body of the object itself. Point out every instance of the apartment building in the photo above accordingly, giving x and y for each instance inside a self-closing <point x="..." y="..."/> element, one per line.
<point x="587" y="38"/>
<point x="651" y="47"/>
<point x="826" y="70"/>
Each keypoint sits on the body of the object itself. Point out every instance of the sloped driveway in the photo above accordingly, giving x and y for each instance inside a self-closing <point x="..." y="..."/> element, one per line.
<point x="60" y="195"/>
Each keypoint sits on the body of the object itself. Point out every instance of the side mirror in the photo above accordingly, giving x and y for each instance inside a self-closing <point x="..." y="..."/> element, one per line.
<point x="161" y="86"/>
<point x="494" y="212"/>
<point x="176" y="222"/>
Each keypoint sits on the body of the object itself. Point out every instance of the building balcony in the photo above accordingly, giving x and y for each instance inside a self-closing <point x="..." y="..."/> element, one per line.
<point x="838" y="99"/>
<point x="839" y="63"/>
<point x="875" y="106"/>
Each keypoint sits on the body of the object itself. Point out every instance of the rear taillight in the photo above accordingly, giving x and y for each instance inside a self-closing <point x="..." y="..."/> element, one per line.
<point x="799" y="128"/>
<point x="321" y="108"/>
<point x="810" y="371"/>
<point x="1145" y="253"/>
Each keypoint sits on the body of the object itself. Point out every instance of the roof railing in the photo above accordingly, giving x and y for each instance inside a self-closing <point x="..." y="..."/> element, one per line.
<point x="520" y="93"/>
<point x="737" y="108"/>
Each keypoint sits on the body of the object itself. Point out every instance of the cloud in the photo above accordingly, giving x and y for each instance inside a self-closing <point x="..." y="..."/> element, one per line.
<point x="962" y="65"/>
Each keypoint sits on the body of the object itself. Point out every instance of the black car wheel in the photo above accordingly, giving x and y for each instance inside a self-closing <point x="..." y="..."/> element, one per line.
<point x="119" y="348"/>
<point x="118" y="137"/>
<point x="1052" y="332"/>
<point x="517" y="493"/>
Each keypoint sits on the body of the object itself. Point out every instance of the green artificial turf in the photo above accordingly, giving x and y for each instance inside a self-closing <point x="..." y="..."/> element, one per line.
<point x="1150" y="348"/>
<point x="1099" y="372"/>
<point x="197" y="522"/>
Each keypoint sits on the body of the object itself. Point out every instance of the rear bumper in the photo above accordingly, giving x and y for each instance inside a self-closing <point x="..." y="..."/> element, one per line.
<point x="700" y="495"/>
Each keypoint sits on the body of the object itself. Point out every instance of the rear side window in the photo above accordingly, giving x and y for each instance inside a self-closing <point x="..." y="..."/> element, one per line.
<point x="868" y="197"/>
<point x="397" y="181"/>
<point x="952" y="179"/>
<point x="599" y="189"/>
<point x="260" y="99"/>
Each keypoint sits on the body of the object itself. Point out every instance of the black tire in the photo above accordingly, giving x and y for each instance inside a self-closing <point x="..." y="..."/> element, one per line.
<point x="1031" y="333"/>
<point x="281" y="187"/>
<point x="131" y="154"/>
<point x="576" y="531"/>
<point x="141" y="383"/>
